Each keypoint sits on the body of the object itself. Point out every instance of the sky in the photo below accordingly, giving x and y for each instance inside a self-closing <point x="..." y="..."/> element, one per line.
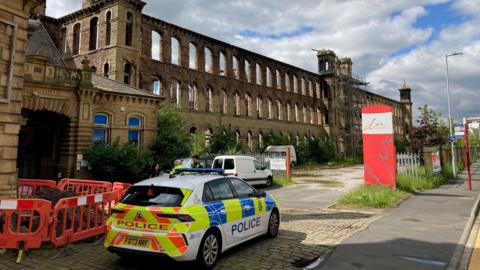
<point x="390" y="41"/>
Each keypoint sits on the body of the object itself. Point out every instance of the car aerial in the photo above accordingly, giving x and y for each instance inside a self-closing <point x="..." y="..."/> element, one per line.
<point x="246" y="168"/>
<point x="195" y="214"/>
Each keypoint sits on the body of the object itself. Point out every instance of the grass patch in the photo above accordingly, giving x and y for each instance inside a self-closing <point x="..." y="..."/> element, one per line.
<point x="368" y="196"/>
<point x="282" y="181"/>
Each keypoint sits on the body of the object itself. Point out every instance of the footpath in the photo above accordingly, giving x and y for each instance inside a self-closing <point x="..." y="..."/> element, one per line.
<point x="422" y="233"/>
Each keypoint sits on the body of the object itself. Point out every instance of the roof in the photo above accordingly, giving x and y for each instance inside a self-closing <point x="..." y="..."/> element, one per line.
<point x="188" y="181"/>
<point x="108" y="85"/>
<point x="40" y="43"/>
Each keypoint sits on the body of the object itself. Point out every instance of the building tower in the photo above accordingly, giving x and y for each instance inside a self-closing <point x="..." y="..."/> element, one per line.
<point x="406" y="100"/>
<point x="326" y="61"/>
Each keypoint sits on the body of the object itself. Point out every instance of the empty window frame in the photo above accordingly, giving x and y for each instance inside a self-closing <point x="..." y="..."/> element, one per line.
<point x="175" y="47"/>
<point x="76" y="38"/>
<point x="208" y="60"/>
<point x="248" y="71"/>
<point x="156" y="46"/>
<point x="129" y="29"/>
<point x="192" y="56"/>
<point x="236" y="68"/>
<point x="93" y="42"/>
<point x="223" y="64"/>
<point x="278" y="79"/>
<point x="108" y="28"/>
<point x="269" y="77"/>
<point x="258" y="74"/>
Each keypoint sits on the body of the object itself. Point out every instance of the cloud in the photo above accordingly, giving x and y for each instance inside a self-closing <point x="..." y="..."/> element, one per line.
<point x="388" y="40"/>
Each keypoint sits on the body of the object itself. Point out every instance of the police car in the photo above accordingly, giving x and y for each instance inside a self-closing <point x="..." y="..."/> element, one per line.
<point x="194" y="215"/>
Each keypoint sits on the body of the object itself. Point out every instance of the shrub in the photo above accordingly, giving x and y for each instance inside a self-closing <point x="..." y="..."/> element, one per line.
<point x="373" y="197"/>
<point x="316" y="150"/>
<point x="112" y="162"/>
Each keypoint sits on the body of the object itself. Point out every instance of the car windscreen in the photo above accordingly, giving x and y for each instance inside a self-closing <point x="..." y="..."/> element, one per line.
<point x="153" y="195"/>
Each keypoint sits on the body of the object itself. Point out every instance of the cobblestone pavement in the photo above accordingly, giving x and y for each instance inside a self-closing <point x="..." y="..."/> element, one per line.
<point x="304" y="236"/>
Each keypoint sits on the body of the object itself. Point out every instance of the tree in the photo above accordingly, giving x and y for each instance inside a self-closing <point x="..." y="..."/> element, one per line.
<point x="198" y="144"/>
<point x="172" y="141"/>
<point x="222" y="141"/>
<point x="112" y="162"/>
<point x="274" y="139"/>
<point x="315" y="150"/>
<point x="431" y="131"/>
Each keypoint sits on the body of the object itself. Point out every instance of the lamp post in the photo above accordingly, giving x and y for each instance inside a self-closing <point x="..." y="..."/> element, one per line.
<point x="454" y="165"/>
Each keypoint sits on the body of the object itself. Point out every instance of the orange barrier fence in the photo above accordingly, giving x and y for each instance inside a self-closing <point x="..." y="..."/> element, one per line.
<point x="24" y="223"/>
<point x="119" y="189"/>
<point x="28" y="187"/>
<point x="85" y="187"/>
<point x="79" y="218"/>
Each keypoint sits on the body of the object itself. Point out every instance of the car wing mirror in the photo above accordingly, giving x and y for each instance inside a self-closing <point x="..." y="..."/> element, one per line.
<point x="261" y="194"/>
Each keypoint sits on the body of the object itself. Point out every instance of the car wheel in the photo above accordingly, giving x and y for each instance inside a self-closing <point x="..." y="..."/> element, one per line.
<point x="269" y="182"/>
<point x="273" y="224"/>
<point x="209" y="250"/>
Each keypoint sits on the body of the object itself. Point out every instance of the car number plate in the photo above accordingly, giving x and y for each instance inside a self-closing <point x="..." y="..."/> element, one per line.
<point x="137" y="242"/>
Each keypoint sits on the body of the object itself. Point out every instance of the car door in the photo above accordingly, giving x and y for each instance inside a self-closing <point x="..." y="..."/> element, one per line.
<point x="260" y="173"/>
<point x="223" y="208"/>
<point x="253" y="209"/>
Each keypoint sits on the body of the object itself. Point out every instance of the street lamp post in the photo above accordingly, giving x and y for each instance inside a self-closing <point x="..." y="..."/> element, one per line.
<point x="454" y="165"/>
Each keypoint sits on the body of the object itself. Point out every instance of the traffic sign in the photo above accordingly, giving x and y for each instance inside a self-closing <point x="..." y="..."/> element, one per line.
<point x="454" y="138"/>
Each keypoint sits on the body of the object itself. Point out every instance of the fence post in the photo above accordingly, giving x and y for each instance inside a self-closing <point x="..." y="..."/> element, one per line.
<point x="287" y="160"/>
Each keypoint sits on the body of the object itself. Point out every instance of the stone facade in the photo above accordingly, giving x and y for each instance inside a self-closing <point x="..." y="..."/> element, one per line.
<point x="13" y="37"/>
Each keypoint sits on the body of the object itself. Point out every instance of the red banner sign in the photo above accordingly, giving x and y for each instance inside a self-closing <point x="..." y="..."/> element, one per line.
<point x="378" y="145"/>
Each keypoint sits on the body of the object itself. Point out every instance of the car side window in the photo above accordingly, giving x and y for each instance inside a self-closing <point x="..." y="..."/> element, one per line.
<point x="242" y="189"/>
<point x="207" y="194"/>
<point x="217" y="164"/>
<point x="229" y="164"/>
<point x="220" y="190"/>
<point x="257" y="165"/>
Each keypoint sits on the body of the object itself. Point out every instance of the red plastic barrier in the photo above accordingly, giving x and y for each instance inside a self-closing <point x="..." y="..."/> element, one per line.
<point x="24" y="223"/>
<point x="85" y="187"/>
<point x="80" y="218"/>
<point x="28" y="187"/>
<point x="119" y="189"/>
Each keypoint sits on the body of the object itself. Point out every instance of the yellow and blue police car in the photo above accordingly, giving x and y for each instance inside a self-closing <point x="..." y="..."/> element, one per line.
<point x="194" y="215"/>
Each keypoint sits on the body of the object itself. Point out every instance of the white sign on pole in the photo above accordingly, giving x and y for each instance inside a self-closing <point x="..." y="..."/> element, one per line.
<point x="437" y="166"/>
<point x="278" y="164"/>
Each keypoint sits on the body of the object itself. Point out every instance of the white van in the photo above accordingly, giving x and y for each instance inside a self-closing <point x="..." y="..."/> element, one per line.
<point x="282" y="149"/>
<point x="247" y="168"/>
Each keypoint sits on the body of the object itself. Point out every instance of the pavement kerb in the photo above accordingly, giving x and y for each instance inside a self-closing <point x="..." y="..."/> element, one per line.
<point x="457" y="255"/>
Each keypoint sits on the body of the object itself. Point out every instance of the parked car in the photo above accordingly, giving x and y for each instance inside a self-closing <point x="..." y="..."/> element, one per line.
<point x="282" y="150"/>
<point x="190" y="217"/>
<point x="247" y="168"/>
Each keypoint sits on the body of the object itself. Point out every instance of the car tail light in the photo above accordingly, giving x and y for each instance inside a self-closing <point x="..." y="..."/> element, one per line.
<point x="118" y="211"/>
<point x="180" y="217"/>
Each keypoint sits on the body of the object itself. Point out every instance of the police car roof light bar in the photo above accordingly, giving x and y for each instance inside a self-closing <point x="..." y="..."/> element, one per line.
<point x="195" y="170"/>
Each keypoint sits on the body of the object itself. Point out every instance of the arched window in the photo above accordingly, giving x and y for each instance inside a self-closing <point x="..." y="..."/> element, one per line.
<point x="237" y="136"/>
<point x="269" y="77"/>
<point x="287" y="82"/>
<point x="129" y="29"/>
<point x="297" y="140"/>
<point x="248" y="104"/>
<point x="258" y="69"/>
<point x="289" y="112"/>
<point x="193" y="130"/>
<point x="319" y="117"/>
<point x="192" y="56"/>
<point x="223" y="64"/>
<point x="297" y="115"/>
<point x="304" y="91"/>
<point x="127" y="73"/>
<point x="278" y="79"/>
<point x="249" y="141"/>
<point x="304" y="113"/>
<point x="100" y="129"/>
<point x="208" y="60"/>
<point x="310" y="88"/>
<point x="175" y="93"/>
<point x="192" y="97"/>
<point x="260" y="140"/>
<point x="248" y="71"/>
<point x="236" y="103"/>
<point x="223" y="102"/>
<point x="279" y="110"/>
<point x="236" y="68"/>
<point x="76" y="39"/>
<point x="208" y="136"/>
<point x="93" y="34"/>
<point x="295" y="84"/>
<point x="175" y="46"/>
<point x="318" y="92"/>
<point x="108" y="28"/>
<point x="209" y="103"/>
<point x="106" y="70"/>
<point x="134" y="132"/>
<point x="312" y="116"/>
<point x="156" y="46"/>
<point x="157" y="87"/>
<point x="259" y="107"/>
<point x="270" y="109"/>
